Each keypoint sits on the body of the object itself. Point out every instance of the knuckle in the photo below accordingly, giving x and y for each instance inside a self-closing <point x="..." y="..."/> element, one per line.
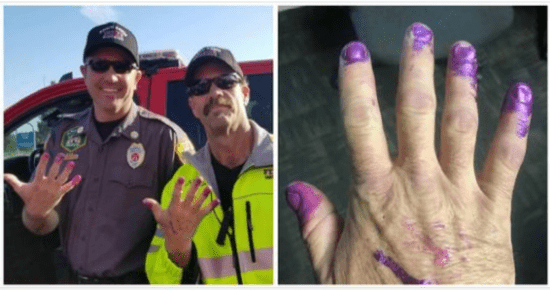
<point x="510" y="155"/>
<point x="416" y="102"/>
<point x="461" y="122"/>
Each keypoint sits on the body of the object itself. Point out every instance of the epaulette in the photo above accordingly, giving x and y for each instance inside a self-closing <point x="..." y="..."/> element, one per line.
<point x="154" y="116"/>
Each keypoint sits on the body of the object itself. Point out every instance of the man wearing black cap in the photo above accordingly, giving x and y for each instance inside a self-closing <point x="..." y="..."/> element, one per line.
<point x="210" y="244"/>
<point x="118" y="153"/>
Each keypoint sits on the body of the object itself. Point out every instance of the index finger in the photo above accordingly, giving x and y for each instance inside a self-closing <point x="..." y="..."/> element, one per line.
<point x="361" y="113"/>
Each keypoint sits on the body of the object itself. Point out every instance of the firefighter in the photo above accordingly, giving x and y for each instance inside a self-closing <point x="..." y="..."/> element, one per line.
<point x="198" y="241"/>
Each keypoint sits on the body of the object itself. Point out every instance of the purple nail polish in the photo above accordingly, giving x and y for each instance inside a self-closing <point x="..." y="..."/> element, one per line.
<point x="519" y="99"/>
<point x="354" y="52"/>
<point x="60" y="157"/>
<point x="303" y="199"/>
<point x="76" y="180"/>
<point x="422" y="36"/>
<point x="381" y="257"/>
<point x="463" y="61"/>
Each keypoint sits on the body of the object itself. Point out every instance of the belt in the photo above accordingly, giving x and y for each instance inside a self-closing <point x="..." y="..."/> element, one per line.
<point x="135" y="277"/>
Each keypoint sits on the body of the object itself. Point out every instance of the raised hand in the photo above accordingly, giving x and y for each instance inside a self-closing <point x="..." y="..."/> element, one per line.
<point x="182" y="217"/>
<point x="46" y="190"/>
<point x="423" y="218"/>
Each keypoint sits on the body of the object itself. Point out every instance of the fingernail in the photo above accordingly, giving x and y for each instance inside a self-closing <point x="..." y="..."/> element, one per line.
<point x="421" y="36"/>
<point x="71" y="164"/>
<point x="198" y="181"/>
<point x="207" y="191"/>
<point x="302" y="199"/>
<point x="217" y="202"/>
<point x="76" y="180"/>
<point x="463" y="61"/>
<point x="354" y="52"/>
<point x="147" y="204"/>
<point x="60" y="157"/>
<point x="519" y="99"/>
<point x="181" y="180"/>
<point x="46" y="156"/>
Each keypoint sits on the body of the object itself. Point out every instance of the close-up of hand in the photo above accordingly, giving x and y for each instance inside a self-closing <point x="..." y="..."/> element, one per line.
<point x="182" y="217"/>
<point x="46" y="190"/>
<point x="421" y="217"/>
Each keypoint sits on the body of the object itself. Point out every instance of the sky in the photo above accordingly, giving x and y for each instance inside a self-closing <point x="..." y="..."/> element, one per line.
<point x="42" y="43"/>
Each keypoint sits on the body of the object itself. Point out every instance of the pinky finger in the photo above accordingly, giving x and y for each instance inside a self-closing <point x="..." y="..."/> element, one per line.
<point x="509" y="144"/>
<point x="209" y="208"/>
<point x="70" y="185"/>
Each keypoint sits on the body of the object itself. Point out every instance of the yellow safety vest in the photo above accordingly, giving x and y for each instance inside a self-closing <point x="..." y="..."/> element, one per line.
<point x="253" y="225"/>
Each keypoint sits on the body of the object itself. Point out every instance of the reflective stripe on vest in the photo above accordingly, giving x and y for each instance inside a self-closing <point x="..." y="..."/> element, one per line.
<point x="223" y="266"/>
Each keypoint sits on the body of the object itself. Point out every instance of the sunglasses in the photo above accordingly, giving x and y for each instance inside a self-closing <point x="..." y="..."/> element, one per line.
<point x="120" y="67"/>
<point x="224" y="82"/>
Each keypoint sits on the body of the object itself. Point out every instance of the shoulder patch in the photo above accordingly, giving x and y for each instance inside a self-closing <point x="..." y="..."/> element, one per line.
<point x="73" y="139"/>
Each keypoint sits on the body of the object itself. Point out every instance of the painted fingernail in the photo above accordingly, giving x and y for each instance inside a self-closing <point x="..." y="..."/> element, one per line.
<point x="60" y="157"/>
<point x="354" y="52"/>
<point x="421" y="36"/>
<point x="76" y="180"/>
<point x="303" y="200"/>
<point x="198" y="181"/>
<point x="519" y="99"/>
<point x="463" y="61"/>
<point x="181" y="180"/>
<point x="217" y="202"/>
<point x="71" y="165"/>
<point x="147" y="204"/>
<point x="207" y="191"/>
<point x="46" y="156"/>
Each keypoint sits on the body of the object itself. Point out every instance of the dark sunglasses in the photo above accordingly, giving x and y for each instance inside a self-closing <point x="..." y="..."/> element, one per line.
<point x="224" y="82"/>
<point x="120" y="67"/>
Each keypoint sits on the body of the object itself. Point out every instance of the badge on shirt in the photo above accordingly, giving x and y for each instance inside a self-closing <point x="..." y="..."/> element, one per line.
<point x="73" y="139"/>
<point x="135" y="155"/>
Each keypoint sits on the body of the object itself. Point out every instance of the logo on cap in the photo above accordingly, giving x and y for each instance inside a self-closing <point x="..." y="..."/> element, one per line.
<point x="113" y="32"/>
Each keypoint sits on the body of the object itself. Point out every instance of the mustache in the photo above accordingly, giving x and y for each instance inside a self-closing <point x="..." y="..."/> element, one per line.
<point x="214" y="102"/>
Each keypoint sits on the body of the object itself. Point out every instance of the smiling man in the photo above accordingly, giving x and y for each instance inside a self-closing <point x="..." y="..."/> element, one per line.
<point x="210" y="244"/>
<point x="119" y="154"/>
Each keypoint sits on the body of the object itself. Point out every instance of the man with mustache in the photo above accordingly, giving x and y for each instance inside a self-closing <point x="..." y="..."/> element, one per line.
<point x="208" y="244"/>
<point x="118" y="153"/>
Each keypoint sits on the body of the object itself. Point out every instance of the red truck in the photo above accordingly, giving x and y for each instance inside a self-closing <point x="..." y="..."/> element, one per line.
<point x="30" y="259"/>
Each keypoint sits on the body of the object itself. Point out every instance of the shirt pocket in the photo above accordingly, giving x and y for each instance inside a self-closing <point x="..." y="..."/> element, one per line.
<point x="137" y="182"/>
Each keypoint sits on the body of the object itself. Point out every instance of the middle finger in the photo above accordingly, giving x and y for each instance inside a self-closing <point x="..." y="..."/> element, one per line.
<point x="416" y="101"/>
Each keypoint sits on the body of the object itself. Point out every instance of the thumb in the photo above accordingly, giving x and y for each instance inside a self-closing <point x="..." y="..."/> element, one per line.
<point x="14" y="182"/>
<point x="321" y="226"/>
<point x="154" y="206"/>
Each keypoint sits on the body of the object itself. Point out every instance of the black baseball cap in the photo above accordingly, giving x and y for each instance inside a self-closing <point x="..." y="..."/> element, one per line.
<point x="111" y="34"/>
<point x="209" y="54"/>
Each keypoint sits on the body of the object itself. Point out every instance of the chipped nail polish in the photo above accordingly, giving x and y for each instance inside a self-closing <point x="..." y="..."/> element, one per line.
<point x="421" y="34"/>
<point x="303" y="199"/>
<point x="60" y="157"/>
<point x="519" y="99"/>
<point x="463" y="61"/>
<point x="381" y="257"/>
<point x="354" y="52"/>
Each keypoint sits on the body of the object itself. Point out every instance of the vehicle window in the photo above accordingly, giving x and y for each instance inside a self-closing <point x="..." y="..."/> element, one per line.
<point x="31" y="130"/>
<point x="24" y="138"/>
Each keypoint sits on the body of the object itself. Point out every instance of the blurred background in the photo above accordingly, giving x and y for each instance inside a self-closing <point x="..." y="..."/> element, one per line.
<point x="511" y="46"/>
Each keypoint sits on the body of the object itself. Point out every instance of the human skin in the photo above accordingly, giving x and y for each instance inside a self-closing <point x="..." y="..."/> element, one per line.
<point x="112" y="93"/>
<point x="423" y="217"/>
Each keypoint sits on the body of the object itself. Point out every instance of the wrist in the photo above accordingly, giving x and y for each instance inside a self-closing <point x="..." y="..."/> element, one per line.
<point x="180" y="255"/>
